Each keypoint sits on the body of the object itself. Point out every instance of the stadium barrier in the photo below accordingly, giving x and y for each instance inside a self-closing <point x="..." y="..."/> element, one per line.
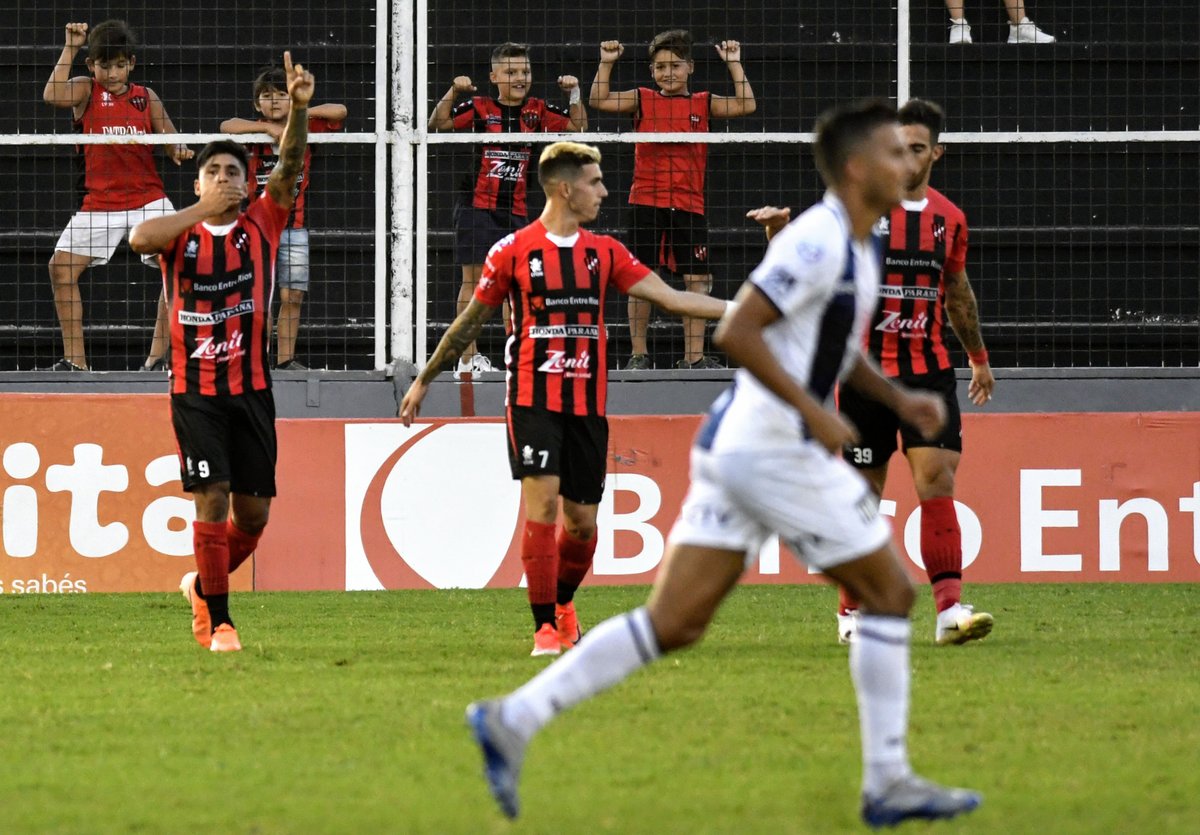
<point x="89" y="505"/>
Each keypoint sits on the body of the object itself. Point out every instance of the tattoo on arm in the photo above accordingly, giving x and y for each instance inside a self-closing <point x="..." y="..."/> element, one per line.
<point x="461" y="333"/>
<point x="963" y="311"/>
<point x="291" y="156"/>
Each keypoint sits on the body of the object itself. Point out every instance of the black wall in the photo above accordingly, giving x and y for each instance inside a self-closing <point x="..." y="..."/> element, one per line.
<point x="1083" y="254"/>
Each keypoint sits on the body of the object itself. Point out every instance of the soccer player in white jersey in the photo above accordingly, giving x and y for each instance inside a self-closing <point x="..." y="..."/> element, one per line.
<point x="767" y="460"/>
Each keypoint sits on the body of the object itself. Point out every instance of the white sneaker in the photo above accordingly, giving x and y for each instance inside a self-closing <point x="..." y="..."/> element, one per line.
<point x="464" y="367"/>
<point x="914" y="797"/>
<point x="480" y="363"/>
<point x="847" y="626"/>
<point x="960" y="31"/>
<point x="961" y="623"/>
<point x="1027" y="32"/>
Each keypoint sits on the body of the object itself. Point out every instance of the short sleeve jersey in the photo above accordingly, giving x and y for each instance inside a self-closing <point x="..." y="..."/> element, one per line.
<point x="557" y="354"/>
<point x="923" y="241"/>
<point x="501" y="181"/>
<point x="264" y="158"/>
<point x="218" y="284"/>
<point x="824" y="284"/>
<point x="670" y="175"/>
<point x="116" y="178"/>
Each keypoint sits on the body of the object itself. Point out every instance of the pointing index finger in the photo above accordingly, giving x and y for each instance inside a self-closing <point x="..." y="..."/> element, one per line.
<point x="287" y="62"/>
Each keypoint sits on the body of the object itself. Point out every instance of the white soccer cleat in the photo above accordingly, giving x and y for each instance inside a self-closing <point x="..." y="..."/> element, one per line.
<point x="913" y="797"/>
<point x="960" y="31"/>
<point x="847" y="626"/>
<point x="1027" y="32"/>
<point x="503" y="753"/>
<point x="961" y="623"/>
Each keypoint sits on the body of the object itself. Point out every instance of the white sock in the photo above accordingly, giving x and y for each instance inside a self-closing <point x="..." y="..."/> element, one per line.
<point x="606" y="655"/>
<point x="879" y="668"/>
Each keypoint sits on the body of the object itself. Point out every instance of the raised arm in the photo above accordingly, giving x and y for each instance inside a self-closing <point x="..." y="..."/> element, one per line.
<point x="161" y="123"/>
<point x="441" y="118"/>
<point x="61" y="90"/>
<point x="458" y="337"/>
<point x="301" y="84"/>
<point x="578" y="113"/>
<point x="600" y="96"/>
<point x="741" y="103"/>
<point x="963" y="313"/>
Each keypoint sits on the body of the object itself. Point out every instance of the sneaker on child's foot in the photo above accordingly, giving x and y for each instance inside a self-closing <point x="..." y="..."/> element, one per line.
<point x="567" y="622"/>
<point x="65" y="364"/>
<point x="201" y="622"/>
<point x="638" y="362"/>
<point x="225" y="639"/>
<point x="480" y="363"/>
<point x="961" y="623"/>
<point x="503" y="753"/>
<point x="960" y="31"/>
<point x="292" y="365"/>
<point x="847" y="626"/>
<point x="704" y="363"/>
<point x="545" y="641"/>
<point x="915" y="797"/>
<point x="1027" y="32"/>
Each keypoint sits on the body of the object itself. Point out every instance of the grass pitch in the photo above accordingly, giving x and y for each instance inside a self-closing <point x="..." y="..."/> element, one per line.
<point x="1080" y="714"/>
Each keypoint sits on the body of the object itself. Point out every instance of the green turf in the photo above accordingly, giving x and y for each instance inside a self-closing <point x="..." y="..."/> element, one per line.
<point x="1081" y="714"/>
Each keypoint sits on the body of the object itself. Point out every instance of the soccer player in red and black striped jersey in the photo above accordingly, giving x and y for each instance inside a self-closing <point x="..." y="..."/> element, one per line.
<point x="218" y="268"/>
<point x="492" y="199"/>
<point x="924" y="285"/>
<point x="669" y="228"/>
<point x="555" y="276"/>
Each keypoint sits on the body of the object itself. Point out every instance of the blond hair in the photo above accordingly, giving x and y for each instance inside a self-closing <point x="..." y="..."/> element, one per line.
<point x="564" y="160"/>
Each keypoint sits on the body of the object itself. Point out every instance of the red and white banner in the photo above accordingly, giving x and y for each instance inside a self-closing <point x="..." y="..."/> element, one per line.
<point x="89" y="490"/>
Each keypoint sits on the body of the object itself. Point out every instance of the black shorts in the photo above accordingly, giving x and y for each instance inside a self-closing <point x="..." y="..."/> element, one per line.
<point x="669" y="238"/>
<point x="572" y="447"/>
<point x="878" y="425"/>
<point x="226" y="437"/>
<point x="477" y="230"/>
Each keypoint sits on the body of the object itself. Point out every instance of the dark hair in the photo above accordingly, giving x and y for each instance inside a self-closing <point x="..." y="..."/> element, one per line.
<point x="270" y="78"/>
<point x="223" y="146"/>
<point x="841" y="129"/>
<point x="564" y="161"/>
<point x="510" y="50"/>
<point x="923" y="112"/>
<point x="677" y="41"/>
<point x="111" y="40"/>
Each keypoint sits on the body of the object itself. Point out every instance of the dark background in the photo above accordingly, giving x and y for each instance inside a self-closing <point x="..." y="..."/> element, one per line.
<point x="1082" y="254"/>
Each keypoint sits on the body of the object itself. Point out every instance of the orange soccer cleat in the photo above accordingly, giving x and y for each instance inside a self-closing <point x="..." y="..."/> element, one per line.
<point x="545" y="641"/>
<point x="225" y="639"/>
<point x="569" y="632"/>
<point x="201" y="622"/>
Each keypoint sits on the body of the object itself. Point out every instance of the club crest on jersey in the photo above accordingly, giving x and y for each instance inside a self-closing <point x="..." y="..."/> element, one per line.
<point x="531" y="119"/>
<point x="939" y="230"/>
<point x="241" y="240"/>
<point x="139" y="102"/>
<point x="106" y="99"/>
<point x="694" y="119"/>
<point x="700" y="253"/>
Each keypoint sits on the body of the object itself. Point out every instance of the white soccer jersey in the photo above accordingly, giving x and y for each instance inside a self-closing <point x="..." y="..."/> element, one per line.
<point x="824" y="284"/>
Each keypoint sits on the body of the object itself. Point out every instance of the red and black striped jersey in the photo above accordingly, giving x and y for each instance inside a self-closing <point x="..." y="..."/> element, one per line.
<point x="264" y="158"/>
<point x="670" y="175"/>
<point x="922" y="242"/>
<point x="116" y="178"/>
<point x="501" y="182"/>
<point x="218" y="283"/>
<point x="557" y="353"/>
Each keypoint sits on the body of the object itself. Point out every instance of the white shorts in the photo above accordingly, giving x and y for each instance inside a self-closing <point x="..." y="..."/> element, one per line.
<point x="96" y="234"/>
<point x="820" y="507"/>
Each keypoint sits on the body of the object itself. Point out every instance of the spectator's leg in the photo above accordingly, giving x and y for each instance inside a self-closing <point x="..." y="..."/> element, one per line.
<point x="289" y="324"/>
<point x="160" y="342"/>
<point x="470" y="278"/>
<point x="65" y="270"/>
<point x="693" y="329"/>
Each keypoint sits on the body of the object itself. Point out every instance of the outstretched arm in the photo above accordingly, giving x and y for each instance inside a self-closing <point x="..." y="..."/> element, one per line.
<point x="61" y="90"/>
<point x="771" y="218"/>
<point x="329" y="111"/>
<point x="963" y="313"/>
<point x="458" y="337"/>
<point x="742" y="102"/>
<point x="600" y="96"/>
<point x="282" y="181"/>
<point x="681" y="302"/>
<point x="162" y="123"/>
<point x="235" y="125"/>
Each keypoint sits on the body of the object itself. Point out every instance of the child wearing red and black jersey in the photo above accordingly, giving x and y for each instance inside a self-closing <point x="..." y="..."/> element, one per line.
<point x="120" y="184"/>
<point x="492" y="201"/>
<point x="292" y="266"/>
<point x="669" y="228"/>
